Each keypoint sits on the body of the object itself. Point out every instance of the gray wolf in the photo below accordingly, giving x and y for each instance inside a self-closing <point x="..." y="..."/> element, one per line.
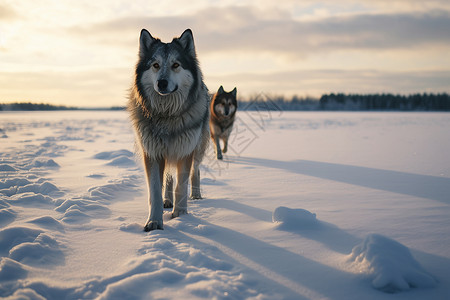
<point x="223" y="111"/>
<point x="169" y="110"/>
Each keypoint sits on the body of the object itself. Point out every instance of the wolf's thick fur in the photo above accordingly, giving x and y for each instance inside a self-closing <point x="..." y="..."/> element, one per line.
<point x="223" y="112"/>
<point x="169" y="109"/>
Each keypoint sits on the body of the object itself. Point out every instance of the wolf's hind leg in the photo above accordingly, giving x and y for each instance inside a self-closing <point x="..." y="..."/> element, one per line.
<point x="195" y="181"/>
<point x="168" y="191"/>
<point x="181" y="190"/>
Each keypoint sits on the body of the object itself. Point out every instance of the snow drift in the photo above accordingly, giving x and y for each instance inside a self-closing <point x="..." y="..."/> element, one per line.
<point x="390" y="265"/>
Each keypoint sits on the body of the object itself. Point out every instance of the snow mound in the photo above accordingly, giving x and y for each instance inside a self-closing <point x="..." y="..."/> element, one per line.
<point x="43" y="251"/>
<point x="8" y="183"/>
<point x="31" y="200"/>
<point x="121" y="161"/>
<point x="133" y="227"/>
<point x="7" y="215"/>
<point x="107" y="155"/>
<point x="390" y="265"/>
<point x="45" y="188"/>
<point x="26" y="294"/>
<point x="82" y="210"/>
<point x="11" y="237"/>
<point x="96" y="175"/>
<point x="7" y="168"/>
<point x="113" y="188"/>
<point x="294" y="218"/>
<point x="95" y="203"/>
<point x="43" y="162"/>
<point x="11" y="269"/>
<point x="119" y="158"/>
<point x="3" y="134"/>
<point x="48" y="222"/>
<point x="137" y="284"/>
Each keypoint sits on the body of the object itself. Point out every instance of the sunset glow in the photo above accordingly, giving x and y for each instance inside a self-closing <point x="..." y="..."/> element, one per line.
<point x="82" y="53"/>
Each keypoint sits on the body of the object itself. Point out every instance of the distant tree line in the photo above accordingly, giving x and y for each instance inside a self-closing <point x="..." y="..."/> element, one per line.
<point x="28" y="106"/>
<point x="350" y="102"/>
<point x="328" y="102"/>
<point x="415" y="102"/>
<point x="264" y="102"/>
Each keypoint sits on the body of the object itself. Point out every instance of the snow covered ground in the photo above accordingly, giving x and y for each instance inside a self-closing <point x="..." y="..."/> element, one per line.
<point x="306" y="205"/>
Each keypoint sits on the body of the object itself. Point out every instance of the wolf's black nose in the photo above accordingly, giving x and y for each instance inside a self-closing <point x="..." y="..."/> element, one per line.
<point x="162" y="84"/>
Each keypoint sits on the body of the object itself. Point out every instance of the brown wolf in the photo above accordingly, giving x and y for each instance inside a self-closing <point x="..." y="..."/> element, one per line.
<point x="223" y="112"/>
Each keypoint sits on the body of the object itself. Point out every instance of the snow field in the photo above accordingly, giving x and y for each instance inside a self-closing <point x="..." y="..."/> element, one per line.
<point x="304" y="206"/>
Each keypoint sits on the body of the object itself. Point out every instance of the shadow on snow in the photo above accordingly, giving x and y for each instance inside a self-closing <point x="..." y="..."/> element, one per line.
<point x="424" y="186"/>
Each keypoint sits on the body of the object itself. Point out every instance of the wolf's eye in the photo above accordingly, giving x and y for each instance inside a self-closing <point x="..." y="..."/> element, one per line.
<point x="155" y="65"/>
<point x="175" y="65"/>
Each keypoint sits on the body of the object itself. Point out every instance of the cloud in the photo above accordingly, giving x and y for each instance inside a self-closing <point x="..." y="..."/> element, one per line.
<point x="248" y="29"/>
<point x="7" y="13"/>
<point x="333" y="33"/>
<point x="63" y="53"/>
<point x="317" y="82"/>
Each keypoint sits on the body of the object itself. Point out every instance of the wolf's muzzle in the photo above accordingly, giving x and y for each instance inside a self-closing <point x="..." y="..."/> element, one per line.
<point x="162" y="85"/>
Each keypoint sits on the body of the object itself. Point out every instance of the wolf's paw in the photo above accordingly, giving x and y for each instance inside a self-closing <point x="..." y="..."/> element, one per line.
<point x="195" y="193"/>
<point x="219" y="156"/>
<point x="177" y="213"/>
<point x="153" y="225"/>
<point x="196" y="196"/>
<point x="168" y="204"/>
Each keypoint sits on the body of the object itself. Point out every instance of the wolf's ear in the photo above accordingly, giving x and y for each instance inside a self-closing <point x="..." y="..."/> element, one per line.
<point x="187" y="41"/>
<point x="145" y="42"/>
<point x="234" y="92"/>
<point x="220" y="91"/>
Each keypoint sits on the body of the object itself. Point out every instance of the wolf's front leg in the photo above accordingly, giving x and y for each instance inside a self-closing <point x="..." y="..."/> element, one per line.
<point x="181" y="190"/>
<point x="154" y="170"/>
<point x="225" y="144"/>
<point x="218" y="151"/>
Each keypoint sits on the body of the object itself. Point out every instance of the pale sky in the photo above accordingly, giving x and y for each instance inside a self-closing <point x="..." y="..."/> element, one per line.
<point x="83" y="53"/>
